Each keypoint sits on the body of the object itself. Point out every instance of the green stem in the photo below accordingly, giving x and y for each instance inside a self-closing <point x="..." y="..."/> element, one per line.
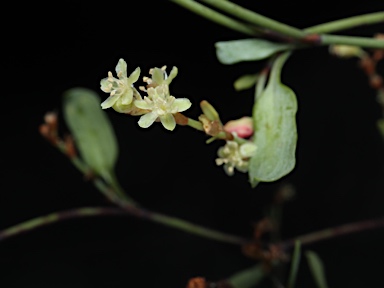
<point x="350" y="40"/>
<point x="256" y="18"/>
<point x="216" y="17"/>
<point x="51" y="218"/>
<point x="195" y="124"/>
<point x="169" y="221"/>
<point x="120" y="191"/>
<point x="334" y="232"/>
<point x="347" y="23"/>
<point x="285" y="30"/>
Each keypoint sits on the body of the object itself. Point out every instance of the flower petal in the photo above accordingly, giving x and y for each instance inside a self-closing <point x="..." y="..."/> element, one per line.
<point x="168" y="121"/>
<point x="147" y="120"/>
<point x="181" y="104"/>
<point x="247" y="149"/>
<point x="171" y="76"/>
<point x="109" y="102"/>
<point x="158" y="76"/>
<point x="121" y="67"/>
<point x="105" y="85"/>
<point x="142" y="104"/>
<point x="127" y="97"/>
<point x="134" y="76"/>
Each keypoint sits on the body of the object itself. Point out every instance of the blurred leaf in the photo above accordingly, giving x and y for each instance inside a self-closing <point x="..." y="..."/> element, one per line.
<point x="275" y="132"/>
<point x="247" y="278"/>
<point x="380" y="126"/>
<point x="294" y="265"/>
<point x="230" y="52"/>
<point x="245" y="82"/>
<point x="317" y="269"/>
<point x="91" y="129"/>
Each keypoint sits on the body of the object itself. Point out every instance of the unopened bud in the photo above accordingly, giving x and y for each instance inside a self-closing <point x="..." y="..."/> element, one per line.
<point x="346" y="51"/>
<point x="243" y="127"/>
<point x="209" y="111"/>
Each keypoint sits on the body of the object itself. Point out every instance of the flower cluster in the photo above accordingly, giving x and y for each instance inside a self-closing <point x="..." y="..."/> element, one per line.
<point x="235" y="155"/>
<point x="159" y="105"/>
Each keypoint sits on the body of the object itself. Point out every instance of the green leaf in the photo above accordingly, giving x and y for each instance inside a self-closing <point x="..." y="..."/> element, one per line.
<point x="294" y="265"/>
<point x="230" y="52"/>
<point x="275" y="132"/>
<point x="92" y="131"/>
<point x="245" y="82"/>
<point x="317" y="269"/>
<point x="247" y="278"/>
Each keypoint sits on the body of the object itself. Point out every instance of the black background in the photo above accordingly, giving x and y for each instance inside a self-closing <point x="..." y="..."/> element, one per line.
<point x="50" y="48"/>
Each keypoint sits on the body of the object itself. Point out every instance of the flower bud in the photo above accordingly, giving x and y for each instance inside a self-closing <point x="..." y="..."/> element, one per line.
<point x="243" y="127"/>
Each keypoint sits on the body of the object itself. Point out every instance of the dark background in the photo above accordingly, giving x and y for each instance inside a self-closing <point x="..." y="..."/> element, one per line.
<point x="338" y="178"/>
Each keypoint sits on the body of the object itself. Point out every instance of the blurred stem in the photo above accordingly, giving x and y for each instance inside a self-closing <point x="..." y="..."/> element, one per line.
<point x="350" y="40"/>
<point x="48" y="219"/>
<point x="216" y="17"/>
<point x="334" y="232"/>
<point x="119" y="190"/>
<point x="256" y="18"/>
<point x="133" y="209"/>
<point x="284" y="30"/>
<point x="347" y="23"/>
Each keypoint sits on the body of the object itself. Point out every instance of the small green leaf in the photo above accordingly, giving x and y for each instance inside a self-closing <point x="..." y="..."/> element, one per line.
<point x="317" y="269"/>
<point x="230" y="52"/>
<point x="247" y="278"/>
<point x="92" y="131"/>
<point x="275" y="132"/>
<point x="294" y="265"/>
<point x="245" y="82"/>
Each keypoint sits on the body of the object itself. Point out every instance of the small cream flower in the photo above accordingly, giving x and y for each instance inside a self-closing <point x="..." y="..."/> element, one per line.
<point x="161" y="105"/>
<point x="121" y="90"/>
<point x="160" y="77"/>
<point x="234" y="155"/>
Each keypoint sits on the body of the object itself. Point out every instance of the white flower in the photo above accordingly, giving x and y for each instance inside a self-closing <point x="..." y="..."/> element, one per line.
<point x="234" y="155"/>
<point x="161" y="105"/>
<point x="121" y="90"/>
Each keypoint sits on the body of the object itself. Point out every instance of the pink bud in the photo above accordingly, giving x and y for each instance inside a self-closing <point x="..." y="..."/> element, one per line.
<point x="243" y="127"/>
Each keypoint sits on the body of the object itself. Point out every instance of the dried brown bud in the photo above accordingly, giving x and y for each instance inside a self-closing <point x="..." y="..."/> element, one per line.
<point x="197" y="282"/>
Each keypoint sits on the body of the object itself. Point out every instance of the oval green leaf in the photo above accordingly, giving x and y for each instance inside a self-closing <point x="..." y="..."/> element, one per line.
<point x="317" y="269"/>
<point x="92" y="131"/>
<point x="275" y="132"/>
<point x="230" y="52"/>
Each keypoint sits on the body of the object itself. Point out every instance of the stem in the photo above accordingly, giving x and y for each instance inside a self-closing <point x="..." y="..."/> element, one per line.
<point x="195" y="124"/>
<point x="169" y="221"/>
<point x="347" y="23"/>
<point x="350" y="40"/>
<point x="48" y="219"/>
<point x="133" y="209"/>
<point x="334" y="232"/>
<point x="286" y="30"/>
<point x="216" y="17"/>
<point x="256" y="18"/>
